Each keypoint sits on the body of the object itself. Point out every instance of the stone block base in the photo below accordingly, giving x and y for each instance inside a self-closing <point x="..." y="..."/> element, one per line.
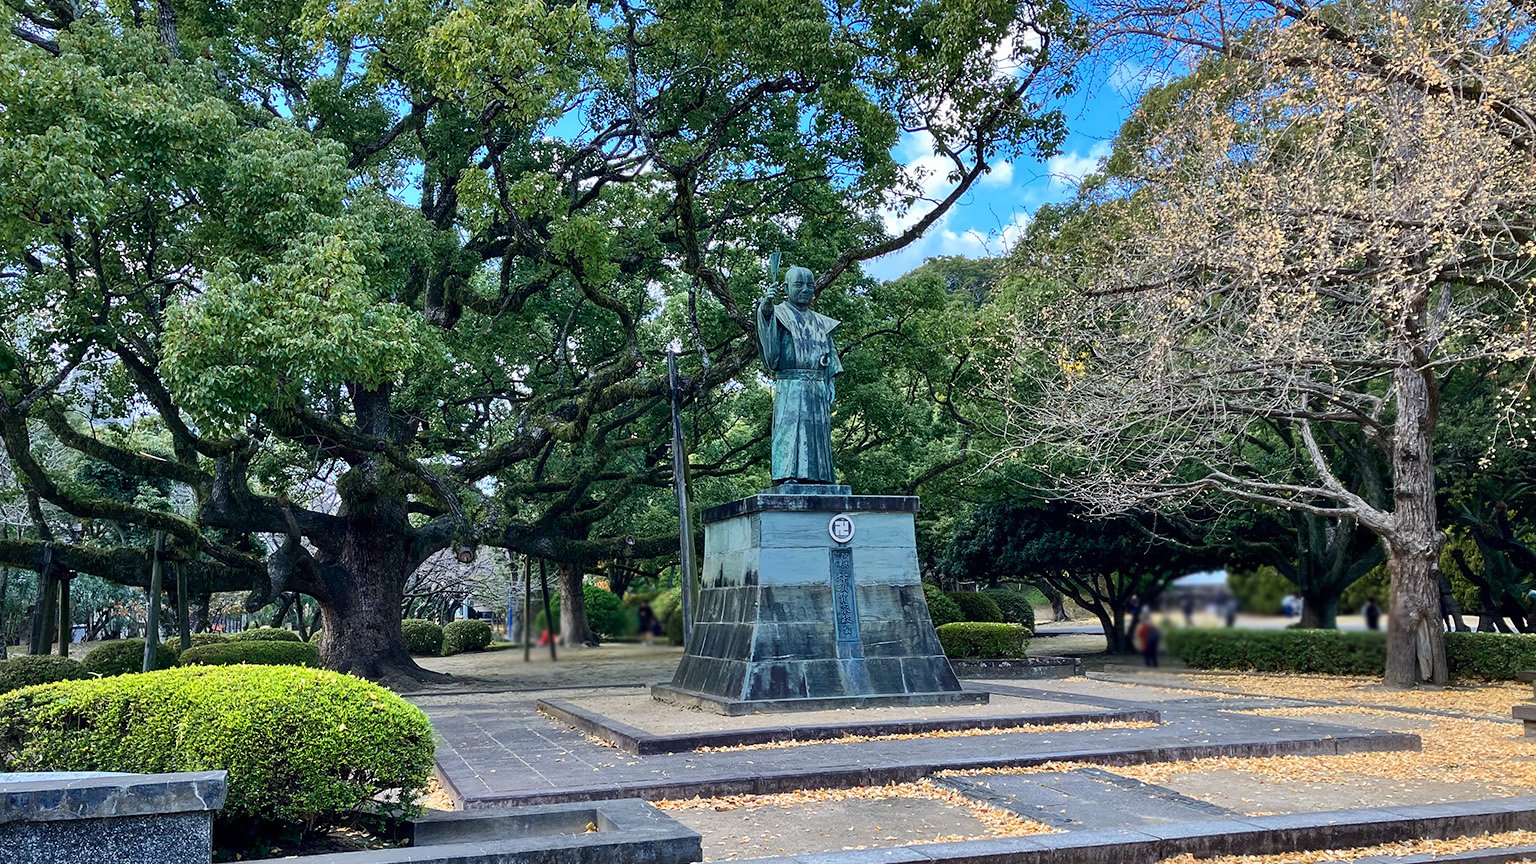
<point x="737" y="707"/>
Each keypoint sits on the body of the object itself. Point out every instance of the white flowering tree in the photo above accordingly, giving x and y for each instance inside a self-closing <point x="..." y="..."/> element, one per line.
<point x="1310" y="231"/>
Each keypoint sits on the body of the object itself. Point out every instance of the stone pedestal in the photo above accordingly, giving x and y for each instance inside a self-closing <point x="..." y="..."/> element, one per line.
<point x="811" y="600"/>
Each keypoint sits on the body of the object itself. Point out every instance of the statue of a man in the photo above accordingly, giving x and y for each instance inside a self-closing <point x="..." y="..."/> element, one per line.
<point x="796" y="346"/>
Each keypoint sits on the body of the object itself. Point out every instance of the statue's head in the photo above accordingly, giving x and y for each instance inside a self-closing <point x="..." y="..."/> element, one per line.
<point x="800" y="286"/>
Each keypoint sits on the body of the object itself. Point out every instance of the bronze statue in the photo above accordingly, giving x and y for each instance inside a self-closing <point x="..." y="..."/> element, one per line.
<point x="795" y="344"/>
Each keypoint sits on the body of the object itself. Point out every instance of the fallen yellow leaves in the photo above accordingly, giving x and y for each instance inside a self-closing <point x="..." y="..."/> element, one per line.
<point x="937" y="733"/>
<point x="999" y="822"/>
<point x="1406" y="847"/>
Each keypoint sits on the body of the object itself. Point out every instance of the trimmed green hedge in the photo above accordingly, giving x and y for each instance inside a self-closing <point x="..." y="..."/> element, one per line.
<point x="422" y="636"/>
<point x="258" y="653"/>
<point x="303" y="747"/>
<point x="1489" y="656"/>
<point x="667" y="607"/>
<point x="1014" y="605"/>
<point x="941" y="609"/>
<point x="314" y="637"/>
<point x="200" y="639"/>
<point x="976" y="606"/>
<point x="265" y="634"/>
<point x="27" y="670"/>
<point x="468" y="635"/>
<point x="125" y="657"/>
<point x="982" y="640"/>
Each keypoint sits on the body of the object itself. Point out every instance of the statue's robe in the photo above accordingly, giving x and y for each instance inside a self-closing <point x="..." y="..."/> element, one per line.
<point x="796" y="345"/>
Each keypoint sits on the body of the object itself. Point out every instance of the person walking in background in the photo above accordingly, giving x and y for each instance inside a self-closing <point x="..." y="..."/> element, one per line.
<point x="1188" y="606"/>
<point x="1147" y="638"/>
<point x="1372" y="614"/>
<point x="1229" y="612"/>
<point x="648" y="626"/>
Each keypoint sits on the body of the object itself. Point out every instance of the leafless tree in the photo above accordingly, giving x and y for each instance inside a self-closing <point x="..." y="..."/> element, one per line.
<point x="1313" y="231"/>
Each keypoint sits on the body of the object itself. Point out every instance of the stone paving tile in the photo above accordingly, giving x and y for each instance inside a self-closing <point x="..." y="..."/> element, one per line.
<point x="1086" y="798"/>
<point x="497" y="750"/>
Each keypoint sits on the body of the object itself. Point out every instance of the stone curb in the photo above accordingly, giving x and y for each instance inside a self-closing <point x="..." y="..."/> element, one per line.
<point x="111" y="796"/>
<point x="768" y="782"/>
<point x="1025" y="669"/>
<point x="642" y="743"/>
<point x="1259" y="835"/>
<point x="629" y="831"/>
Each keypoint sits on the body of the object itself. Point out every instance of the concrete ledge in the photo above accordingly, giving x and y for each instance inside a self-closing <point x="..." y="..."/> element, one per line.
<point x="1019" y="668"/>
<point x="673" y="695"/>
<point x="810" y="503"/>
<point x="82" y="818"/>
<point x="1260" y="835"/>
<point x="626" y="831"/>
<point x="642" y="743"/>
<point x="58" y="797"/>
<point x="761" y="781"/>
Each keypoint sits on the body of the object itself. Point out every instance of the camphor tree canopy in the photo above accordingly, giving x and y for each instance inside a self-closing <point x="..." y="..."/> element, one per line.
<point x="377" y="279"/>
<point x="1333" y="213"/>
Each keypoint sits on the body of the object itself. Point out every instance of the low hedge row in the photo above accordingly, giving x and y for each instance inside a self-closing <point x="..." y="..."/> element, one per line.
<point x="422" y="636"/>
<point x="258" y="653"/>
<point x="982" y="640"/>
<point x="471" y="634"/>
<point x="976" y="606"/>
<point x="1487" y="656"/>
<point x="303" y="747"/>
<point x="27" y="670"/>
<point x="942" y="609"/>
<point x="126" y="656"/>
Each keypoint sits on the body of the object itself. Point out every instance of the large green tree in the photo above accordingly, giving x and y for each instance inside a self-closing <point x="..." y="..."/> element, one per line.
<point x="398" y="277"/>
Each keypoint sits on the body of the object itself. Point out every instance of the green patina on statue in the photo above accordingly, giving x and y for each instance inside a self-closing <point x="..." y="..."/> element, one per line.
<point x="796" y="346"/>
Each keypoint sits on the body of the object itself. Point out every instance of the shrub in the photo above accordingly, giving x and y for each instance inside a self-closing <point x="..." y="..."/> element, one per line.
<point x="976" y="606"/>
<point x="1322" y="652"/>
<point x="265" y="634"/>
<point x="314" y="638"/>
<point x="605" y="612"/>
<point x="303" y="747"/>
<point x="663" y="604"/>
<point x="26" y="670"/>
<point x="200" y="639"/>
<point x="469" y="635"/>
<point x="941" y="609"/>
<point x="982" y="640"/>
<point x="125" y="656"/>
<point x="672" y="625"/>
<point x="1489" y="656"/>
<point x="422" y="636"/>
<point x="1015" y="607"/>
<point x="256" y="653"/>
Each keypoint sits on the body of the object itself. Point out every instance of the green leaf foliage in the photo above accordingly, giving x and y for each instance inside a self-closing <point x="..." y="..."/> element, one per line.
<point x="982" y="640"/>
<point x="976" y="606"/>
<point x="256" y="653"/>
<point x="125" y="656"/>
<point x="1014" y="606"/>
<point x="422" y="637"/>
<point x="303" y="747"/>
<point x="200" y="639"/>
<point x="606" y="614"/>
<point x="942" y="609"/>
<point x="470" y="634"/>
<point x="1484" y="656"/>
<point x="27" y="670"/>
<point x="265" y="634"/>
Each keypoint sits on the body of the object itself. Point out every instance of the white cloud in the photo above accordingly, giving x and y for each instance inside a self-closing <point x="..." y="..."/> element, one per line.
<point x="1000" y="175"/>
<point x="1067" y="170"/>
<point x="943" y="239"/>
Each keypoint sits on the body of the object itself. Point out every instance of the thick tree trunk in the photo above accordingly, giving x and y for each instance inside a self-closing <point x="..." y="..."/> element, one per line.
<point x="574" y="629"/>
<point x="1320" y="609"/>
<point x="364" y="591"/>
<point x="1415" y="638"/>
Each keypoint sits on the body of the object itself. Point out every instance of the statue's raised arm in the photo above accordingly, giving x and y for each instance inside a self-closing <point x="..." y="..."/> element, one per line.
<point x="796" y="346"/>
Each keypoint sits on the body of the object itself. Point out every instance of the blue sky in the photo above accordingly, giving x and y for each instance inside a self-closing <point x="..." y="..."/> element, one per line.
<point x="999" y="207"/>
